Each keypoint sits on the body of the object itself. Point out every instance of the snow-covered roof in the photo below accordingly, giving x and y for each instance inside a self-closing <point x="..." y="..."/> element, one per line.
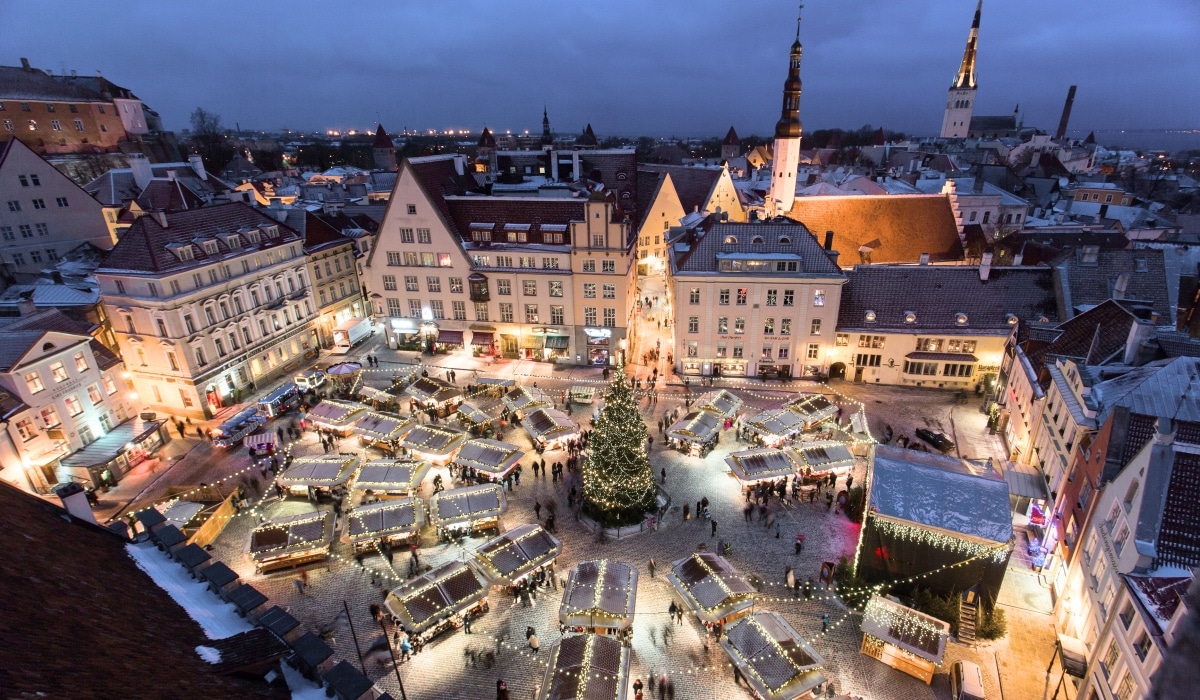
<point x="939" y="492"/>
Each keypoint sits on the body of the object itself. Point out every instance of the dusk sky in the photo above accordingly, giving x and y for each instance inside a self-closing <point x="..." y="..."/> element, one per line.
<point x="630" y="68"/>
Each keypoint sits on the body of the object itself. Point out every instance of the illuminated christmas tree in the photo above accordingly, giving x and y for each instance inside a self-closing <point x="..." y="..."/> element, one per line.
<point x="618" y="483"/>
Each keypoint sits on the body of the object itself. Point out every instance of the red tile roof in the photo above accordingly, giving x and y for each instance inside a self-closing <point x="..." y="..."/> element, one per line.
<point x="71" y="591"/>
<point x="498" y="211"/>
<point x="143" y="248"/>
<point x="896" y="228"/>
<point x="168" y="196"/>
<point x="439" y="179"/>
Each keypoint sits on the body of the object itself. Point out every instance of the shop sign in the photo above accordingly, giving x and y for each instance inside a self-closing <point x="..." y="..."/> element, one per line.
<point x="598" y="332"/>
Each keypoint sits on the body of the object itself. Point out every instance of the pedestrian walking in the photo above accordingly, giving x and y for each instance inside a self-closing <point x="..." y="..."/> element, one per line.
<point x="824" y="623"/>
<point x="664" y="475"/>
<point x="849" y="481"/>
<point x="714" y="529"/>
<point x="533" y="643"/>
<point x="651" y="567"/>
<point x="537" y="509"/>
<point x="790" y="577"/>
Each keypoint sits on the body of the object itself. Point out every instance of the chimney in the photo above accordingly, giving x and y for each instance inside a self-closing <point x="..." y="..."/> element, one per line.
<point x="160" y="217"/>
<point x="829" y="240"/>
<point x="197" y="164"/>
<point x="1066" y="114"/>
<point x="25" y="64"/>
<point x="1121" y="286"/>
<point x="1141" y="331"/>
<point x="1019" y="257"/>
<point x="985" y="267"/>
<point x="460" y="164"/>
<point x="1164" y="433"/>
<point x="25" y="305"/>
<point x="1103" y="211"/>
<point x="74" y="500"/>
<point x="142" y="174"/>
<point x="924" y="259"/>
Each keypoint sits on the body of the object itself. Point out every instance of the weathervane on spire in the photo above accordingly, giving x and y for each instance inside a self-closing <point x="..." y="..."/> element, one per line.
<point x="799" y="11"/>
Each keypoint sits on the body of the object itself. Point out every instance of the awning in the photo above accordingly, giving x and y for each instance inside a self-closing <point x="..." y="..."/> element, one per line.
<point x="107" y="447"/>
<point x="259" y="441"/>
<point x="1074" y="655"/>
<point x="451" y="337"/>
<point x="1024" y="481"/>
<point x="481" y="338"/>
<point x="943" y="357"/>
<point x="531" y="342"/>
<point x="557" y="342"/>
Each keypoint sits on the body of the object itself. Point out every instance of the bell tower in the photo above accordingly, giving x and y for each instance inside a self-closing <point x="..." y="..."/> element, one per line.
<point x="786" y="158"/>
<point x="960" y="103"/>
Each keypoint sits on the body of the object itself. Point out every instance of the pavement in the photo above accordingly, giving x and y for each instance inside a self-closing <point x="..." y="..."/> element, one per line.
<point x="445" y="669"/>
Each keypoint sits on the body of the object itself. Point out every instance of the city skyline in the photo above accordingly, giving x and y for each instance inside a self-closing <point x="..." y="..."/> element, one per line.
<point x="886" y="64"/>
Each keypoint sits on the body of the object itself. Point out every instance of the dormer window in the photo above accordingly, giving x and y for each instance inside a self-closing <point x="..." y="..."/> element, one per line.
<point x="1010" y="319"/>
<point x="210" y="247"/>
<point x="784" y="240"/>
<point x="730" y="240"/>
<point x="183" y="251"/>
<point x="910" y="317"/>
<point x="253" y="236"/>
<point x="234" y="241"/>
<point x="757" y="239"/>
<point x="271" y="231"/>
<point x="960" y="319"/>
<point x="870" y="316"/>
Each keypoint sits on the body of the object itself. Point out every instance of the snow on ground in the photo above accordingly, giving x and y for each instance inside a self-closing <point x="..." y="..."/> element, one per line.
<point x="219" y="620"/>
<point x="302" y="688"/>
<point x="212" y="656"/>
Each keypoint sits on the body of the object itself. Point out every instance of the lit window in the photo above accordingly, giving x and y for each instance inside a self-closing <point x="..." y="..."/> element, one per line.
<point x="33" y="380"/>
<point x="59" y="372"/>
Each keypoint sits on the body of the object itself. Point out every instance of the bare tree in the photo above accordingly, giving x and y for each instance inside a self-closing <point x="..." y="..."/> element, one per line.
<point x="208" y="139"/>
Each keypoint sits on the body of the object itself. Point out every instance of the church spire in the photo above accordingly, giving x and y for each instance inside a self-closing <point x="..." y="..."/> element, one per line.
<point x="788" y="125"/>
<point x="966" y="71"/>
<point x="547" y="138"/>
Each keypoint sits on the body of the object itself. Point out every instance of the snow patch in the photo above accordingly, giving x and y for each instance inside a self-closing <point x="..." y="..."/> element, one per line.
<point x="301" y="687"/>
<point x="218" y="620"/>
<point x="212" y="656"/>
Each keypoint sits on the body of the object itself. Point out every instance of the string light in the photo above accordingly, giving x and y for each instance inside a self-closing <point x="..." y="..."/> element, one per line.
<point x="920" y="535"/>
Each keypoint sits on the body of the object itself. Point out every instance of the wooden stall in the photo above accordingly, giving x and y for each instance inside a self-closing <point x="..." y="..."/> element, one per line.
<point x="381" y="429"/>
<point x="549" y="428"/>
<point x="820" y="458"/>
<point x="385" y="478"/>
<point x="491" y="460"/>
<point x="388" y="523"/>
<point x="587" y="667"/>
<point x="320" y="473"/>
<point x="710" y="588"/>
<point x="335" y="416"/>
<point x="511" y="557"/>
<point x="600" y="597"/>
<point x="521" y="400"/>
<point x="432" y="393"/>
<point x="439" y="600"/>
<point x="813" y="409"/>
<point x="776" y="426"/>
<point x="291" y="540"/>
<point x="465" y="510"/>
<point x="433" y="443"/>
<point x="696" y="433"/>
<point x="775" y="660"/>
<point x="721" y="402"/>
<point x="762" y="464"/>
<point x="905" y="639"/>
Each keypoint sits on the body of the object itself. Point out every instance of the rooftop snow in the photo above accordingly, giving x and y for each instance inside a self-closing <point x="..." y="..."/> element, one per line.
<point x="218" y="620"/>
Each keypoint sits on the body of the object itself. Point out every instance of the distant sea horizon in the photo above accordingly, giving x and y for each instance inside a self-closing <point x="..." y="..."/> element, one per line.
<point x="1171" y="140"/>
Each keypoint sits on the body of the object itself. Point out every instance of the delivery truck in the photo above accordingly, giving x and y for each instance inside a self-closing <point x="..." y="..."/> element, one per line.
<point x="350" y="333"/>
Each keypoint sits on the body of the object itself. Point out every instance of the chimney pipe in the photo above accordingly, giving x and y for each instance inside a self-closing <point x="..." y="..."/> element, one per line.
<point x="139" y="164"/>
<point x="923" y="259"/>
<point x="197" y="164"/>
<point x="1121" y="286"/>
<point x="25" y="64"/>
<point x="25" y="305"/>
<point x="985" y="267"/>
<point x="829" y="240"/>
<point x="1066" y="114"/>
<point x="1139" y="332"/>
<point x="74" y="500"/>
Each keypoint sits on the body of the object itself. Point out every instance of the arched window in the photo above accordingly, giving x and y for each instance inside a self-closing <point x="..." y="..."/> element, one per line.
<point x="47" y="347"/>
<point x="756" y="239"/>
<point x="784" y="240"/>
<point x="731" y="239"/>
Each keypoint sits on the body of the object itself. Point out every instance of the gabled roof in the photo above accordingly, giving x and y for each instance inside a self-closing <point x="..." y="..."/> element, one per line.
<point x="382" y="140"/>
<point x="54" y="594"/>
<point x="117" y="187"/>
<point x="167" y="195"/>
<point x="438" y="178"/>
<point x="894" y="228"/>
<point x="320" y="234"/>
<point x="143" y="248"/>
<point x="693" y="185"/>
<point x="587" y="138"/>
<point x="18" y="83"/>
<point x="731" y="138"/>
<point x="1088" y="280"/>
<point x="802" y="248"/>
<point x="937" y="294"/>
<point x="1091" y="337"/>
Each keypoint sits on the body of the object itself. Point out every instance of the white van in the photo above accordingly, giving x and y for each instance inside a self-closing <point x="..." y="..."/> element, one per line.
<point x="311" y="379"/>
<point x="966" y="681"/>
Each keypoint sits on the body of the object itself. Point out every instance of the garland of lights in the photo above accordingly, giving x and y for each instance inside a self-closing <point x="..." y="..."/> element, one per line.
<point x="920" y="535"/>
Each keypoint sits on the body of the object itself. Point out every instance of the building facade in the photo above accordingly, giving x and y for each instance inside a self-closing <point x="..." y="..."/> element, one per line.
<point x="333" y="269"/>
<point x="206" y="304"/>
<point x="59" y="114"/>
<point x="44" y="215"/>
<point x="754" y="300"/>
<point x="60" y="390"/>
<point x="544" y="279"/>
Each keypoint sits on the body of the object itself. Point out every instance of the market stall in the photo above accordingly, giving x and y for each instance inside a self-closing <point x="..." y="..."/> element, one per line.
<point x="389" y="477"/>
<point x="583" y="393"/>
<point x="696" y="433"/>
<point x="335" y="416"/>
<point x="813" y="409"/>
<point x="762" y="464"/>
<point x="710" y="588"/>
<point x="491" y="460"/>
<point x="819" y="458"/>
<point x="309" y="475"/>
<point x="776" y="426"/>
<point x="587" y="667"/>
<point x="433" y="443"/>
<point x="509" y="558"/>
<point x="549" y="428"/>
<point x="721" y="402"/>
<point x="495" y="386"/>
<point x="472" y="415"/>
<point x="432" y="393"/>
<point x="774" y="659"/>
<point x="438" y="600"/>
<point x="378" y="399"/>
<point x="524" y="399"/>
<point x="468" y="509"/>
<point x="600" y="597"/>
<point x="291" y="540"/>
<point x="382" y="430"/>
<point x="387" y="523"/>
<point x="905" y="639"/>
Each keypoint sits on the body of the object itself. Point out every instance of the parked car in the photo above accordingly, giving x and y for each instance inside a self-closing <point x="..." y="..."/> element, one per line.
<point x="966" y="681"/>
<point x="938" y="440"/>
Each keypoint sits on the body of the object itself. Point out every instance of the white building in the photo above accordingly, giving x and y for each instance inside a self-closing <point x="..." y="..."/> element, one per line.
<point x="206" y="303"/>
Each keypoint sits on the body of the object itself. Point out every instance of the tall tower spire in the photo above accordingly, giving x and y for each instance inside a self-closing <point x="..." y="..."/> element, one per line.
<point x="960" y="104"/>
<point x="547" y="139"/>
<point x="786" y="158"/>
